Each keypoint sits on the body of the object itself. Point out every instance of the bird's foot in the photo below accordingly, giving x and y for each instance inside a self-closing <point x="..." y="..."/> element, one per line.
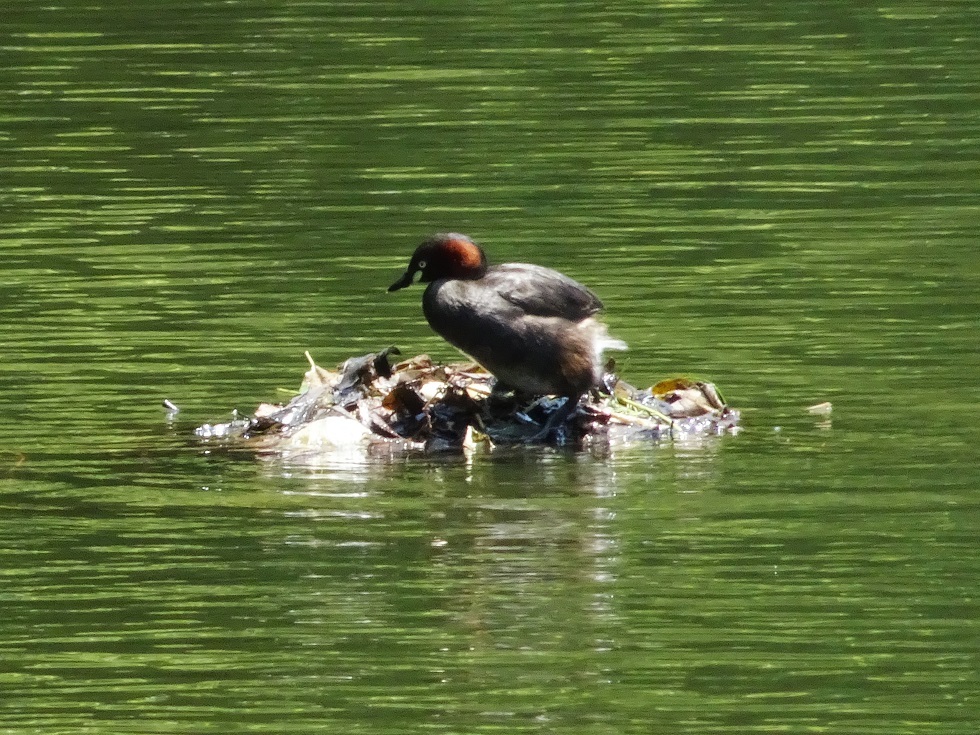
<point x="555" y="427"/>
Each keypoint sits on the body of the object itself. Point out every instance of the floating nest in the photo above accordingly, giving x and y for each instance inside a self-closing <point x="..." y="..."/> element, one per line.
<point x="417" y="405"/>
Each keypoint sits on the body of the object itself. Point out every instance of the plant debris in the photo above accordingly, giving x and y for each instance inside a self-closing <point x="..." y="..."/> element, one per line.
<point x="415" y="404"/>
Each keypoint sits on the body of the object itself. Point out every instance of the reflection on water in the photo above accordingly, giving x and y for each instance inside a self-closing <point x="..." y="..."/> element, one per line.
<point x="449" y="589"/>
<point x="779" y="198"/>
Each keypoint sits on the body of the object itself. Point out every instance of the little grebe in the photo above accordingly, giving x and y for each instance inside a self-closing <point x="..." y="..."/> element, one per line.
<point x="532" y="327"/>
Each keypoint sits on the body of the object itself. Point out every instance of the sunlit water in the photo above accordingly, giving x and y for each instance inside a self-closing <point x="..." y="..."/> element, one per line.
<point x="780" y="198"/>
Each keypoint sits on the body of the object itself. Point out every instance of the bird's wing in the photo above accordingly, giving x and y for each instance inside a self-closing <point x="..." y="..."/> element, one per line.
<point x="544" y="292"/>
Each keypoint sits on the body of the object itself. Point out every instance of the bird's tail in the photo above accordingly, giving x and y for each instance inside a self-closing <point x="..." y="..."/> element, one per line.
<point x="611" y="343"/>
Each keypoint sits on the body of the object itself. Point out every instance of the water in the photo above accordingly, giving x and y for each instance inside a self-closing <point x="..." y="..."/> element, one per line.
<point x="780" y="198"/>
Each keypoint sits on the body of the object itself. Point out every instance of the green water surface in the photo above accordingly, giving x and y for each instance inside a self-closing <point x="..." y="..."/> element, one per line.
<point x="783" y="198"/>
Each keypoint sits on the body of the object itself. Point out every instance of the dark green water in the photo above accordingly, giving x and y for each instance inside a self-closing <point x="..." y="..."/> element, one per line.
<point x="781" y="197"/>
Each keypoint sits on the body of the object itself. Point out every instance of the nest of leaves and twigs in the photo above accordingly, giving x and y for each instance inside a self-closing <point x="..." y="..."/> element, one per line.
<point x="416" y="404"/>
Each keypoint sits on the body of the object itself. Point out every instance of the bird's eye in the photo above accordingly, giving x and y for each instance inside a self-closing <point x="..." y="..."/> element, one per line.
<point x="422" y="264"/>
